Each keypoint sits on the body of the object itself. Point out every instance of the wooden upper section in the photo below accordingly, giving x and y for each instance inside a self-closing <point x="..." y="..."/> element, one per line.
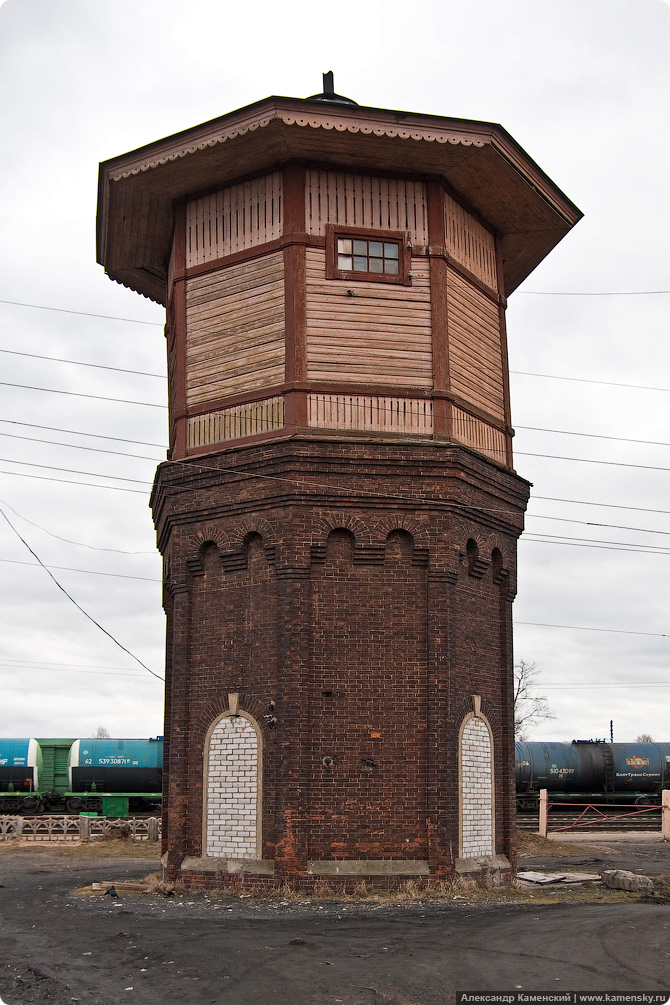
<point x="483" y="168"/>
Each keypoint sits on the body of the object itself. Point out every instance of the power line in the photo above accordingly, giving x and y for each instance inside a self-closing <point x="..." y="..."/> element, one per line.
<point x="591" y="460"/>
<point x="67" y="540"/>
<point x="80" y="446"/>
<point x="614" y="293"/>
<point x="585" y="380"/>
<point x="584" y="628"/>
<point x="76" y="362"/>
<point x="533" y="539"/>
<point x="85" y="314"/>
<point x="68" y="481"/>
<point x="585" y="502"/>
<point x="78" y="394"/>
<point x="102" y="673"/>
<point x="592" y="523"/>
<point x="73" y="601"/>
<point x="571" y="687"/>
<point x="87" y="572"/>
<point x="162" y="446"/>
<point x="45" y="663"/>
<point x="78" y="432"/>
<point x="73" y="471"/>
<point x="595" y="436"/>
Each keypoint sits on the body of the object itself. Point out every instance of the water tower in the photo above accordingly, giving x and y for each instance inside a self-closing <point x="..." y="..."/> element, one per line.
<point x="339" y="510"/>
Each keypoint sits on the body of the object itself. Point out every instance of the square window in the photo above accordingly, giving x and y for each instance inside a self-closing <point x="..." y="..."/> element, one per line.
<point x="372" y="256"/>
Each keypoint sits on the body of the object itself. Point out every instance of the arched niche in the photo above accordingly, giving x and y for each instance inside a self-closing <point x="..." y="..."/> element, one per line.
<point x="232" y="788"/>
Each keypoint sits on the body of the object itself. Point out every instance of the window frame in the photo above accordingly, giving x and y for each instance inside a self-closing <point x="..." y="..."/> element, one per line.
<point x="335" y="232"/>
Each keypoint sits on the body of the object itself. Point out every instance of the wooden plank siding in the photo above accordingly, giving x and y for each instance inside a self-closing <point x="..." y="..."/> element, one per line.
<point x="233" y="219"/>
<point x="469" y="243"/>
<point x="371" y="412"/>
<point x="367" y="202"/>
<point x="235" y="422"/>
<point x="379" y="335"/>
<point x="479" y="435"/>
<point x="475" y="358"/>
<point x="235" y="329"/>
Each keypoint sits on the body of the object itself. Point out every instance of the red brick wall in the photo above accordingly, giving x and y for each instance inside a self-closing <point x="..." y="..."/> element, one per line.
<point x="336" y="595"/>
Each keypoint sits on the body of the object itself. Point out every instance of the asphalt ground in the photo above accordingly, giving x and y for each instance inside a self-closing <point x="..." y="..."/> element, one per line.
<point x="60" y="946"/>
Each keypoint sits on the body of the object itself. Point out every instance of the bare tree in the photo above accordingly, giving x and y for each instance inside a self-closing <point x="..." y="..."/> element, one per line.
<point x="101" y="733"/>
<point x="644" y="738"/>
<point x="530" y="708"/>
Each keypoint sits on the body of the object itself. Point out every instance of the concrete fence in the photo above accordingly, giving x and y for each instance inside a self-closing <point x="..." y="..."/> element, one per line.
<point x="79" y="828"/>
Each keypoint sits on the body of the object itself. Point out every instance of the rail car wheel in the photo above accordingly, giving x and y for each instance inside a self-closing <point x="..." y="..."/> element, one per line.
<point x="30" y="804"/>
<point x="74" y="804"/>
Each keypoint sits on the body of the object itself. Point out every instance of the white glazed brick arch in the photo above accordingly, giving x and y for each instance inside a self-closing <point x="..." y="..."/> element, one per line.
<point x="476" y="790"/>
<point x="232" y="790"/>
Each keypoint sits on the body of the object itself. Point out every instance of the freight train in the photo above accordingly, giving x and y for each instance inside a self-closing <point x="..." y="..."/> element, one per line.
<point x="591" y="771"/>
<point x="115" y="777"/>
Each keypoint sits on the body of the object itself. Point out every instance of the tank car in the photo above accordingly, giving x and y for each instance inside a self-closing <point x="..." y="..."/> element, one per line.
<point x="108" y="775"/>
<point x="589" y="770"/>
<point x="20" y="766"/>
<point x="123" y="768"/>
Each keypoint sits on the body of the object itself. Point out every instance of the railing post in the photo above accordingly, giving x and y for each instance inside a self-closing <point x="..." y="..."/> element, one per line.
<point x="152" y="829"/>
<point x="84" y="828"/>
<point x="665" y="814"/>
<point x="542" y="831"/>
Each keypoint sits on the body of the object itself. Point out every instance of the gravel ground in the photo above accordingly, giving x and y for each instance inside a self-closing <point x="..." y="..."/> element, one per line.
<point x="60" y="946"/>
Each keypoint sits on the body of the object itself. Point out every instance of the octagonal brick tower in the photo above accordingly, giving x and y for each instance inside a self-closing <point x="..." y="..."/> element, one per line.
<point x="339" y="511"/>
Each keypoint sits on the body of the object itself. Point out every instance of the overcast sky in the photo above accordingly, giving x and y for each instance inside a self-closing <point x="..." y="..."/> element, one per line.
<point x="582" y="85"/>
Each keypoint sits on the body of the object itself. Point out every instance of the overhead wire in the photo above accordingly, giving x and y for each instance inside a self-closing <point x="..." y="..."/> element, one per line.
<point x="80" y="394"/>
<point x="73" y="601"/>
<point x="76" y="362"/>
<point x="86" y="314"/>
<point x="67" y="540"/>
<point x="88" y="572"/>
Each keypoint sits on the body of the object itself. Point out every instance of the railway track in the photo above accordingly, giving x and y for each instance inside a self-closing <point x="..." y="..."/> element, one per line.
<point x="650" y="821"/>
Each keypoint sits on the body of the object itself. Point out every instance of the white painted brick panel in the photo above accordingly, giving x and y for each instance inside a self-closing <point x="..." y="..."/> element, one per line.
<point x="232" y="790"/>
<point x="476" y="790"/>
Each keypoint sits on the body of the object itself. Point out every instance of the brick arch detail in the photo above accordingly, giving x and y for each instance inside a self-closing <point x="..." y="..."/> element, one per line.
<point x="340" y="521"/>
<point x="219" y="706"/>
<point x="402" y="521"/>
<point x="251" y="525"/>
<point x="464" y="707"/>
<point x="209" y="534"/>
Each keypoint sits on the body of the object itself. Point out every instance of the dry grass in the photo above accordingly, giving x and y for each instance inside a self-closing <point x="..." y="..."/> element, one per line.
<point x="85" y="849"/>
<point x="533" y="846"/>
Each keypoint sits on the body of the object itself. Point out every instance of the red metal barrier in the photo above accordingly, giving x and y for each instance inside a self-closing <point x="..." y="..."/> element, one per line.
<point x="600" y="817"/>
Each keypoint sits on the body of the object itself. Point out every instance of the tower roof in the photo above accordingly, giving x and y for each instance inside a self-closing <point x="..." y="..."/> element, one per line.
<point x="480" y="162"/>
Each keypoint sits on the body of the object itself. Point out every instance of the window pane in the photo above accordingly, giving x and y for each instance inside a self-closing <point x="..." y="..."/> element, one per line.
<point x="344" y="261"/>
<point x="377" y="265"/>
<point x="376" y="249"/>
<point x="360" y="247"/>
<point x="344" y="245"/>
<point x="390" y="250"/>
<point x="360" y="265"/>
<point x="391" y="267"/>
